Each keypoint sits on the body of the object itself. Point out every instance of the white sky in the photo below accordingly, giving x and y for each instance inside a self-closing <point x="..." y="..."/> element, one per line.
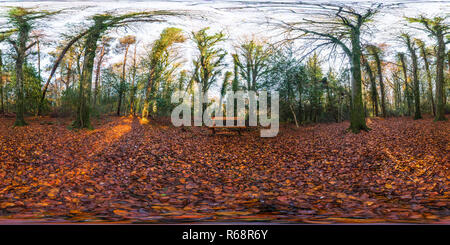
<point x="237" y="23"/>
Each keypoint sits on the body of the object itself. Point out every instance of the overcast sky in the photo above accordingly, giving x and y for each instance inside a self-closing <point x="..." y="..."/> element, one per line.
<point x="237" y="23"/>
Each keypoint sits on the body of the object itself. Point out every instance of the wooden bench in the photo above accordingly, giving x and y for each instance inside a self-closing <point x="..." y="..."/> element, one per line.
<point x="224" y="120"/>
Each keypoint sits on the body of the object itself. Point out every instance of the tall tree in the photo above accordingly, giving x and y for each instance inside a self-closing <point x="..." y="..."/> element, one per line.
<point x="376" y="53"/>
<point x="224" y="87"/>
<point x="373" y="85"/>
<point x="133" y="81"/>
<point x="22" y="21"/>
<point x="289" y="76"/>
<point x="38" y="36"/>
<point x="125" y="42"/>
<point x="210" y="59"/>
<point x="58" y="60"/>
<point x="235" y="84"/>
<point x="103" y="50"/>
<point x="424" y="54"/>
<point x="396" y="85"/>
<point x="159" y="60"/>
<point x="100" y="24"/>
<point x="438" y="28"/>
<point x="412" y="51"/>
<point x="343" y="26"/>
<point x="315" y="82"/>
<point x="408" y="89"/>
<point x="3" y="36"/>
<point x="252" y="61"/>
<point x="448" y="67"/>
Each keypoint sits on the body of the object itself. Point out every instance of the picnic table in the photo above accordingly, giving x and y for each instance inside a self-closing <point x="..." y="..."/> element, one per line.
<point x="224" y="119"/>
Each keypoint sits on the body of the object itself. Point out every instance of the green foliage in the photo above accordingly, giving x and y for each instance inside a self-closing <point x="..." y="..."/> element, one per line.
<point x="434" y="25"/>
<point x="304" y="92"/>
<point x="161" y="64"/>
<point x="161" y="47"/>
<point x="210" y="58"/>
<point x="288" y="76"/>
<point x="68" y="105"/>
<point x="252" y="61"/>
<point x="315" y="86"/>
<point x="32" y="88"/>
<point x="24" y="19"/>
<point x="308" y="94"/>
<point x="20" y="23"/>
<point x="225" y="83"/>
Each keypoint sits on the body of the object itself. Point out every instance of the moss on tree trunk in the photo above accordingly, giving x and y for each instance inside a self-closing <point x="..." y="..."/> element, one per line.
<point x="357" y="117"/>
<point x="83" y="110"/>
<point x="440" y="105"/>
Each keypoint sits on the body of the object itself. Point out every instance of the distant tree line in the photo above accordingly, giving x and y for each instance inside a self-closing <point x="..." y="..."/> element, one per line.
<point x="82" y="83"/>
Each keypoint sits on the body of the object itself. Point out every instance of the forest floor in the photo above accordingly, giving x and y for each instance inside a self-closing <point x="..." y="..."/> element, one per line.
<point x="126" y="171"/>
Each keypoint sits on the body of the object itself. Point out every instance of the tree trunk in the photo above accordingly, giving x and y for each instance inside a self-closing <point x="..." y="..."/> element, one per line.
<point x="55" y="65"/>
<point x="412" y="51"/>
<point x="20" y="107"/>
<point x="300" y="107"/>
<point x="145" y="109"/>
<point x="133" y="90"/>
<point x="440" y="106"/>
<point x="83" y="110"/>
<point x="97" y="78"/>
<point x="357" y="119"/>
<point x="293" y="114"/>
<point x="373" y="87"/>
<point x="122" y="81"/>
<point x="397" y="94"/>
<point x="69" y="74"/>
<point x="407" y="87"/>
<point x="39" y="59"/>
<point x="120" y="103"/>
<point x="329" y="105"/>
<point x="380" y="79"/>
<point x="430" y="85"/>
<point x="448" y="75"/>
